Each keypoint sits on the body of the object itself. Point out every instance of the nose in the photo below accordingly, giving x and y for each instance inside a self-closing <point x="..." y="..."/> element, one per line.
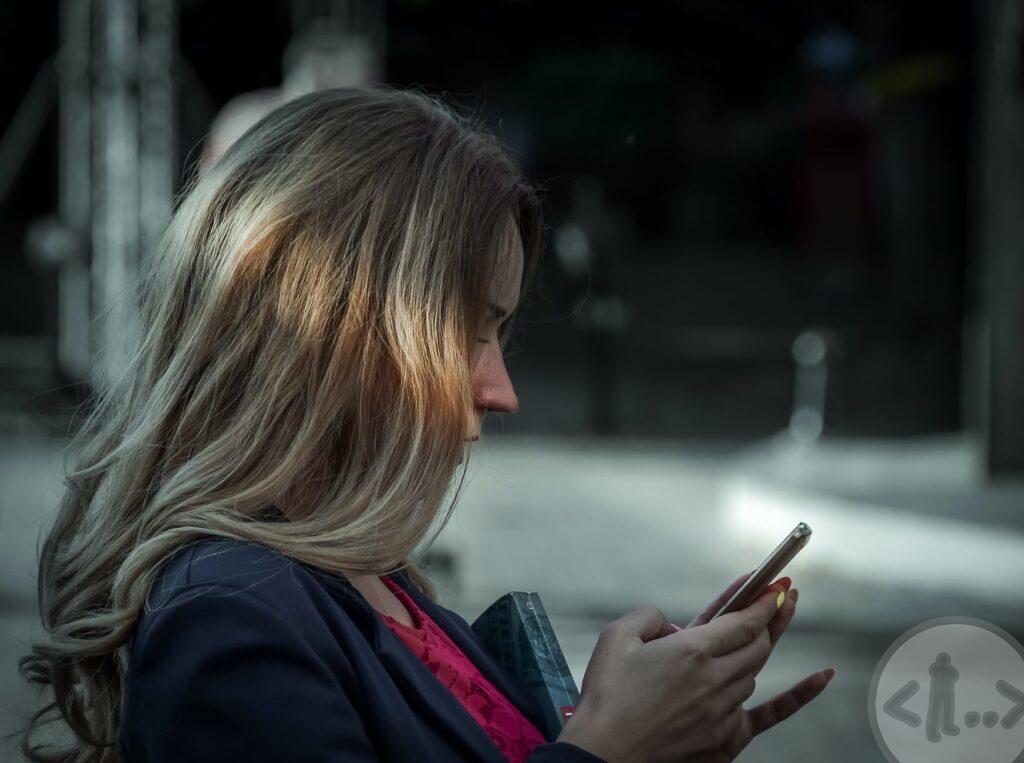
<point x="497" y="399"/>
<point x="483" y="407"/>
<point x="493" y="390"/>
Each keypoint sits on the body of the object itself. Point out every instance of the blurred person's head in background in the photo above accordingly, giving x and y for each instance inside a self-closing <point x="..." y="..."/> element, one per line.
<point x="319" y="334"/>
<point x="325" y="55"/>
<point x="322" y="56"/>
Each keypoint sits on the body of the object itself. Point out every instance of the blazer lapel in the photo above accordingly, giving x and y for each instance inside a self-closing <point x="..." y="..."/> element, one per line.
<point x="507" y="684"/>
<point x="420" y="686"/>
<point x="423" y="688"/>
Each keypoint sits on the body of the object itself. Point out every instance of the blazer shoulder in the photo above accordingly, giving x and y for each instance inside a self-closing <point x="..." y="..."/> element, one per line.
<point x="243" y="656"/>
<point x="232" y="565"/>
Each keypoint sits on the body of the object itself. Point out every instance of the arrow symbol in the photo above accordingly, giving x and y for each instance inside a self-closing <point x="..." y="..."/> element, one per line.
<point x="1017" y="696"/>
<point x="894" y="705"/>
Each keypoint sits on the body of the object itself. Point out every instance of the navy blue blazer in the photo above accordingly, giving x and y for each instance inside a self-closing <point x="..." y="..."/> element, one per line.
<point x="245" y="654"/>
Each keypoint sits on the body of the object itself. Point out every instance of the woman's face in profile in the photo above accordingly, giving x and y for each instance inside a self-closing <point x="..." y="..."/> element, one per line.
<point x="492" y="387"/>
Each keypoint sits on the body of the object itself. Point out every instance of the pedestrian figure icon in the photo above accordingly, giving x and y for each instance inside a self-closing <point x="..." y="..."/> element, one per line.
<point x="941" y="699"/>
<point x="953" y="680"/>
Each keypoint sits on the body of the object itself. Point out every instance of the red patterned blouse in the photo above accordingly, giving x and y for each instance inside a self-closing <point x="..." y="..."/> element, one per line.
<point x="503" y="722"/>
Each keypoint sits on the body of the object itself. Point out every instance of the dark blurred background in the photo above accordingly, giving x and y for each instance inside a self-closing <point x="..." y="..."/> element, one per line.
<point x="782" y="282"/>
<point x="720" y="176"/>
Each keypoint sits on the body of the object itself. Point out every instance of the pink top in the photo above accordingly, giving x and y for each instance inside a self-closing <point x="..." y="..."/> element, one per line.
<point x="503" y="722"/>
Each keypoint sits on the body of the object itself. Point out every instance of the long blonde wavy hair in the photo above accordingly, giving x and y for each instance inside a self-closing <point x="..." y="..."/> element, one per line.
<point x="309" y="327"/>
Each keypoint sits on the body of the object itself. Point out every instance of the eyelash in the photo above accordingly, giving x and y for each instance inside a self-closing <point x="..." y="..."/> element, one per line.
<point x="488" y="341"/>
<point x="484" y="341"/>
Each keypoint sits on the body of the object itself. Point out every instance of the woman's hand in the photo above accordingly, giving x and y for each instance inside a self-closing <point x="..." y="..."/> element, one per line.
<point x="654" y="692"/>
<point x="750" y="723"/>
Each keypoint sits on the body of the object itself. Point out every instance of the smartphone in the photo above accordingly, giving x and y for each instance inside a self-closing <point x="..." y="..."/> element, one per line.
<point x="765" y="575"/>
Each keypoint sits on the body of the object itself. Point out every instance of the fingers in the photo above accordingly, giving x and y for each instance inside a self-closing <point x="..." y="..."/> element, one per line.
<point x="780" y="707"/>
<point x="730" y="632"/>
<point x="734" y="727"/>
<point x="751" y="658"/>
<point x="754" y="655"/>
<point x="736" y="692"/>
<point x="747" y="660"/>
<point x="644" y="623"/>
<point x="723" y="597"/>
<point x="784" y="616"/>
<point x="718" y="603"/>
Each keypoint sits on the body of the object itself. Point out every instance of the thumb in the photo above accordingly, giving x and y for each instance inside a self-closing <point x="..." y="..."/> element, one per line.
<point x="647" y="624"/>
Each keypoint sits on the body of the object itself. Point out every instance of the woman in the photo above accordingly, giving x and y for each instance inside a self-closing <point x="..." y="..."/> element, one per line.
<point x="229" y="576"/>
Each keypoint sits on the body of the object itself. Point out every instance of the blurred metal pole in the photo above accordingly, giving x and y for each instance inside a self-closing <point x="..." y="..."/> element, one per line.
<point x="1001" y="192"/>
<point x="116" y="222"/>
<point x="133" y="150"/>
<point x="158" y="149"/>
<point x="74" y="187"/>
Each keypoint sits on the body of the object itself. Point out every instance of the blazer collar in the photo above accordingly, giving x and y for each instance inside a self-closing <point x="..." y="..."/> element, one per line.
<point x="422" y="687"/>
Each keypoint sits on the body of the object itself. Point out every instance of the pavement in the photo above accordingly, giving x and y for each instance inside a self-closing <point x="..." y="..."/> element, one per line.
<point x="903" y="532"/>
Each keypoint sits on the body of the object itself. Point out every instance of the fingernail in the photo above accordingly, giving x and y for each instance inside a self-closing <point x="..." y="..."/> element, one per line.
<point x="829" y="672"/>
<point x="786" y="582"/>
<point x="779" y="599"/>
<point x="676" y="627"/>
<point x="794" y="594"/>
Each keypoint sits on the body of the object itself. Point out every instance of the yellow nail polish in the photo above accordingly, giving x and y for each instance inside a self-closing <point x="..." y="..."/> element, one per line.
<point x="779" y="599"/>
